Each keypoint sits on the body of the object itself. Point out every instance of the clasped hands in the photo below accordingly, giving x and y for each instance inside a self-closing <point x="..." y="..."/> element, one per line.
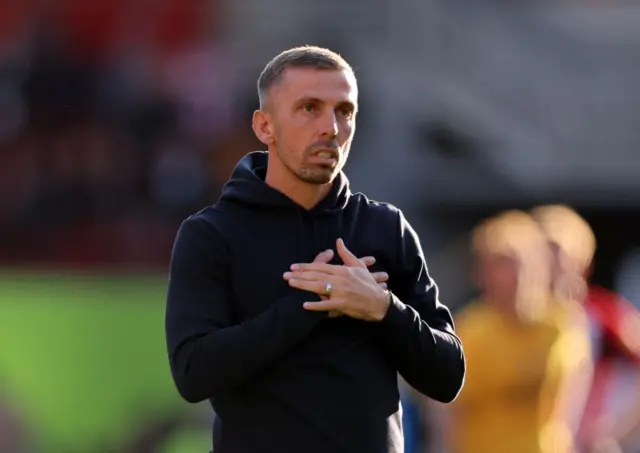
<point x="355" y="292"/>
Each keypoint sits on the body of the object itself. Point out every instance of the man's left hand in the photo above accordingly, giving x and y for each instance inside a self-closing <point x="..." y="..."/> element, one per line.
<point x="354" y="290"/>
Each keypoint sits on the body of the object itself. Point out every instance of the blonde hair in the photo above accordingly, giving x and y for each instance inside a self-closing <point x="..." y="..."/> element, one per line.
<point x="517" y="235"/>
<point x="569" y="232"/>
<point x="512" y="233"/>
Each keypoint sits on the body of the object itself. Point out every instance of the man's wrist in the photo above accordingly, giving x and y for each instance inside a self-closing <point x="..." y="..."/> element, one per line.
<point x="383" y="303"/>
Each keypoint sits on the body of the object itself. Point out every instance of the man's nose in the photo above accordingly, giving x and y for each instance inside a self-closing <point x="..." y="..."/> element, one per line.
<point x="329" y="126"/>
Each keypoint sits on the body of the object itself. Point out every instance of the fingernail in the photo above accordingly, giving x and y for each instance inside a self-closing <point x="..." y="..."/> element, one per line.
<point x="295" y="267"/>
<point x="288" y="274"/>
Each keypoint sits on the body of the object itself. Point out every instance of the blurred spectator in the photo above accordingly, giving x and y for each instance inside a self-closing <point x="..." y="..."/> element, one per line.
<point x="613" y="408"/>
<point x="523" y="347"/>
<point x="115" y="116"/>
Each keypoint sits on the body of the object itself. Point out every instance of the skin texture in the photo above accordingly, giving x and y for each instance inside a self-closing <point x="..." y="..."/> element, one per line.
<point x="307" y="111"/>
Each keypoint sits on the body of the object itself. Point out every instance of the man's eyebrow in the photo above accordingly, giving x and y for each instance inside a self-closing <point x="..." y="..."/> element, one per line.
<point x="309" y="100"/>
<point x="315" y="100"/>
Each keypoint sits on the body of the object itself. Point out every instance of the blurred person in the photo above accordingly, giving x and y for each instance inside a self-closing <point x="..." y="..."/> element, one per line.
<point x="613" y="407"/>
<point x="522" y="346"/>
<point x="297" y="353"/>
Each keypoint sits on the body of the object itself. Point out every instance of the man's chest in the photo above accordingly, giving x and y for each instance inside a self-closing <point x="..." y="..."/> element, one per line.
<point x="261" y="254"/>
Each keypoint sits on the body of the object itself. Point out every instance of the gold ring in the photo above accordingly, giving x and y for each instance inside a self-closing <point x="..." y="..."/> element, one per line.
<point x="328" y="289"/>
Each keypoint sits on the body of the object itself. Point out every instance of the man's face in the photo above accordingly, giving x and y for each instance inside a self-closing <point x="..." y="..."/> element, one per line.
<point x="312" y="117"/>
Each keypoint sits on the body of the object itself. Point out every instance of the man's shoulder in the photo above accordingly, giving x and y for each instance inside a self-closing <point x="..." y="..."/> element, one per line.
<point x="208" y="215"/>
<point x="209" y="221"/>
<point x="216" y="214"/>
<point x="379" y="209"/>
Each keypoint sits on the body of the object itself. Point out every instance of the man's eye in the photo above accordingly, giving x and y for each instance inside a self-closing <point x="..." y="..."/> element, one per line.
<point x="309" y="108"/>
<point x="347" y="113"/>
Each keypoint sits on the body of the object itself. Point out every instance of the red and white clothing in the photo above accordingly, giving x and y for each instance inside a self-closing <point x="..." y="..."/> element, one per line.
<point x="615" y="326"/>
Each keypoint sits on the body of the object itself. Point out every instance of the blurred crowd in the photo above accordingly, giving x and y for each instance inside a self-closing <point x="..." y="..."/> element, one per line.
<point x="116" y="121"/>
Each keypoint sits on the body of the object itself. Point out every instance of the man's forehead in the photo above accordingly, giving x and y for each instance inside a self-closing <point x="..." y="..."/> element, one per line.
<point x="318" y="83"/>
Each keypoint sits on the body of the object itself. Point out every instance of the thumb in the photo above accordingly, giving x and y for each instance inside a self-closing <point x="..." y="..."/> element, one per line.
<point x="347" y="257"/>
<point x="324" y="257"/>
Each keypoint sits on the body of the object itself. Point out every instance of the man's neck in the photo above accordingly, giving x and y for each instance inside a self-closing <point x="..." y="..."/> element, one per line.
<point x="302" y="193"/>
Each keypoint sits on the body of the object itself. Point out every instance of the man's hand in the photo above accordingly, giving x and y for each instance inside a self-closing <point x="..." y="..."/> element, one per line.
<point x="325" y="257"/>
<point x="355" y="291"/>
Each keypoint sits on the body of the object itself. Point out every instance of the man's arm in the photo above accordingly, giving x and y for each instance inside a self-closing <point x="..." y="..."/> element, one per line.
<point x="208" y="355"/>
<point x="418" y="330"/>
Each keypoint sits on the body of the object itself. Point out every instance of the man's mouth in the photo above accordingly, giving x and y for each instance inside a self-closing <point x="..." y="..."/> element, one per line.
<point x="328" y="154"/>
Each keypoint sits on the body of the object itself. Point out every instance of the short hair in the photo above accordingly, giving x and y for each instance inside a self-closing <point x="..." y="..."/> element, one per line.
<point x="298" y="57"/>
<point x="565" y="228"/>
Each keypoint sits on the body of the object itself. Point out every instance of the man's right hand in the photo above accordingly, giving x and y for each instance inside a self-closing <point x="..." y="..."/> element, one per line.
<point x="380" y="277"/>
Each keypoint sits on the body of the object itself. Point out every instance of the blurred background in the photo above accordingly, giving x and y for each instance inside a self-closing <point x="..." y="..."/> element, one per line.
<point x="118" y="118"/>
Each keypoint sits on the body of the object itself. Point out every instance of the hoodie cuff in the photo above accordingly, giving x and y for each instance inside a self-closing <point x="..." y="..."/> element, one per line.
<point x="396" y="314"/>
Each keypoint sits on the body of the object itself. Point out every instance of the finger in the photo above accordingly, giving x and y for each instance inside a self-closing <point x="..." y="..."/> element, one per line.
<point x="324" y="257"/>
<point x="318" y="267"/>
<point x="323" y="305"/>
<point x="314" y="287"/>
<point x="308" y="276"/>
<point x="347" y="257"/>
<point x="382" y="285"/>
<point x="368" y="261"/>
<point x="380" y="277"/>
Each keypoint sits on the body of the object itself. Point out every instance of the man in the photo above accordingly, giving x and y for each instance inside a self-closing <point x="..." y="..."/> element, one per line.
<point x="613" y="407"/>
<point x="294" y="355"/>
<point x="522" y="348"/>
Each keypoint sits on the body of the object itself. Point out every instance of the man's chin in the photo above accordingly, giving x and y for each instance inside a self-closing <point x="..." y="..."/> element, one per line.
<point x="319" y="178"/>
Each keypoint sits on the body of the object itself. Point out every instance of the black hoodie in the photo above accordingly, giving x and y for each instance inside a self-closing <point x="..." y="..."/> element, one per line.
<point x="282" y="379"/>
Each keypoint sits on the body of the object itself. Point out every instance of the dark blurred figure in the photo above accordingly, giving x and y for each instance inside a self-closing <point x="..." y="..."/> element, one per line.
<point x="613" y="408"/>
<point x="524" y="348"/>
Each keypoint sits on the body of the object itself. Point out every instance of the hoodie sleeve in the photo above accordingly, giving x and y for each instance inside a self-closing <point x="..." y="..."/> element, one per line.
<point x="208" y="354"/>
<point x="418" y="330"/>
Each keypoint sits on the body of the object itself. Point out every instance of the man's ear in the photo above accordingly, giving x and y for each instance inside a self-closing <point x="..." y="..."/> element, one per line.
<point x="263" y="127"/>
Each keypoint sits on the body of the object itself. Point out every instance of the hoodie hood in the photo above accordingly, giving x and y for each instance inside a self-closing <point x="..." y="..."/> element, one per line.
<point x="247" y="186"/>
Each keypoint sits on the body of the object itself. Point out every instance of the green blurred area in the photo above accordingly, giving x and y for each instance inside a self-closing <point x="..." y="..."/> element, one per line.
<point x="85" y="356"/>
